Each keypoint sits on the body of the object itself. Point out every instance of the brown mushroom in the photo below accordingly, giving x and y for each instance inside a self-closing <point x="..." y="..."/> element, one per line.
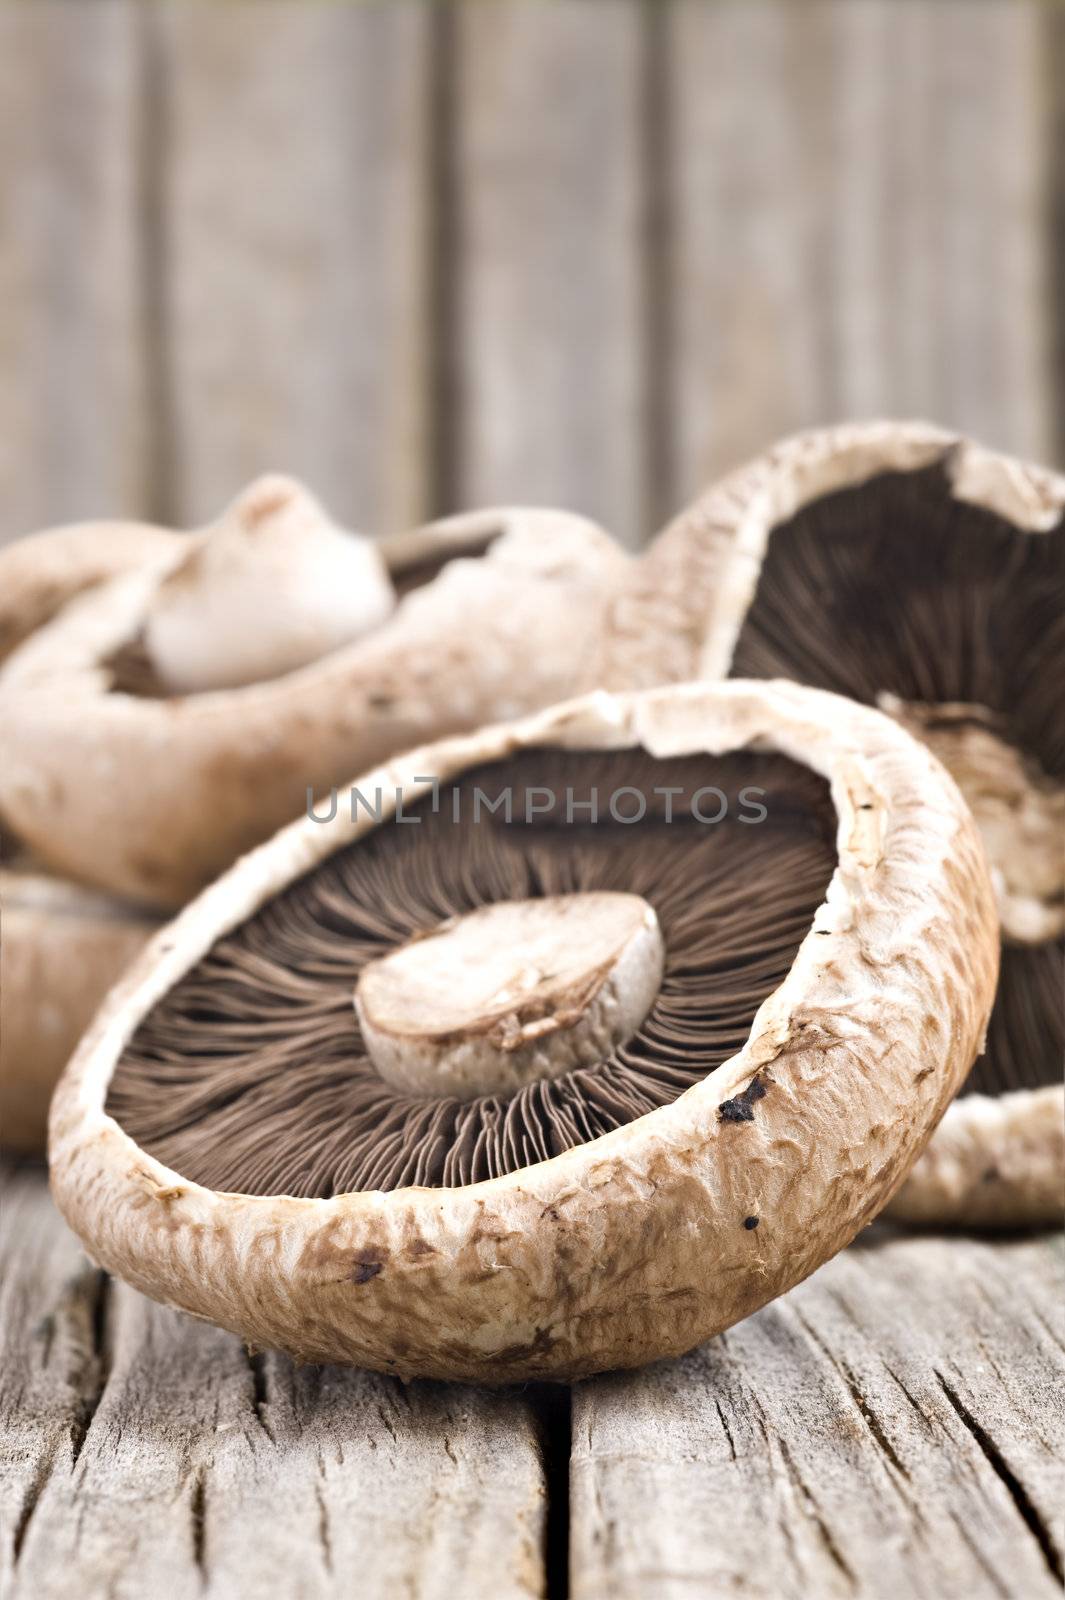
<point x="910" y="569"/>
<point x="565" y="1164"/>
<point x="129" y="762"/>
<point x="61" y="949"/>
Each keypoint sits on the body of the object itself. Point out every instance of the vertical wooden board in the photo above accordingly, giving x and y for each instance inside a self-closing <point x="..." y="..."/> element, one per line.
<point x="1051" y="47"/>
<point x="292" y="218"/>
<point x="546" y="355"/>
<point x="937" y="237"/>
<point x="890" y="1428"/>
<point x="73" y="426"/>
<point x="149" y="1454"/>
<point x="749" y="169"/>
<point x="856" y="230"/>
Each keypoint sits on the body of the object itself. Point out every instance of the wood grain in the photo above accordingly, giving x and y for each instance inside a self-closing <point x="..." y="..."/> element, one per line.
<point x="293" y="217"/>
<point x="146" y="1454"/>
<point x="856" y="224"/>
<point x="893" y="1427"/>
<point x="547" y="361"/>
<point x="73" y="423"/>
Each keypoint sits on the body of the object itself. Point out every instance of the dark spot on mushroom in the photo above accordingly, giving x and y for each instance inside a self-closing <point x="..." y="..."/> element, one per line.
<point x="365" y="1270"/>
<point x="251" y="1073"/>
<point x="750" y="1223"/>
<point x="741" y="1107"/>
<point x="990" y="1174"/>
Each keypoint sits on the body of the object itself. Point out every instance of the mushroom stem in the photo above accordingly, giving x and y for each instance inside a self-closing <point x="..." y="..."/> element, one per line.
<point x="511" y="992"/>
<point x="1019" y="810"/>
<point x="268" y="588"/>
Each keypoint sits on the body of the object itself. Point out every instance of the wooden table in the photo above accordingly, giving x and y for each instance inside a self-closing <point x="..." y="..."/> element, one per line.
<point x="894" y="1427"/>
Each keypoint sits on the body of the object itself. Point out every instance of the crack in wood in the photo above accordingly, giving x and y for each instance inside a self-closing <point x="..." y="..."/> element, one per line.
<point x="260" y="1391"/>
<point x="198" y="1520"/>
<point x="30" y="1501"/>
<point x="809" y="1500"/>
<point x="552" y="1406"/>
<point x="1011" y="1483"/>
<point x="97" y="1288"/>
<point x="324" y="1538"/>
<point x="854" y="1389"/>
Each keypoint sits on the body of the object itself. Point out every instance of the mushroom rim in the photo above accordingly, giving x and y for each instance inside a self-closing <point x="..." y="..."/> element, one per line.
<point x="996" y="1164"/>
<point x="748" y="504"/>
<point x="771" y="715"/>
<point x="84" y="679"/>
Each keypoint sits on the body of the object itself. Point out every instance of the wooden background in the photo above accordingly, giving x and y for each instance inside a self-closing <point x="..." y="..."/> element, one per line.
<point x="592" y="253"/>
<point x="428" y="256"/>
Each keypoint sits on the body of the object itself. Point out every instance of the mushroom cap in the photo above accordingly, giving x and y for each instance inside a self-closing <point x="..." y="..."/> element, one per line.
<point x="995" y="1161"/>
<point x="151" y="796"/>
<point x="63" y="948"/>
<point x="43" y="572"/>
<point x="702" y="578"/>
<point x="637" y="1244"/>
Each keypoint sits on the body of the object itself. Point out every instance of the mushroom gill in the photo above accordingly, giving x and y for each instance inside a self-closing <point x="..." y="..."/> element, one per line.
<point x="901" y="594"/>
<point x="252" y="1073"/>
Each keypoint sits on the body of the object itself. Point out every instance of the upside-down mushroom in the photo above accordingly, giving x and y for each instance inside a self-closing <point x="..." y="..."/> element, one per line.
<point x="42" y="573"/>
<point x="173" y="696"/>
<point x="562" y="1046"/>
<point x="910" y="569"/>
<point x="166" y="721"/>
<point x="61" y="949"/>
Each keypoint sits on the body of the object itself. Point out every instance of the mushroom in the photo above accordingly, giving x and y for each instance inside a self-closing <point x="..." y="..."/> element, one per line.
<point x="911" y="569"/>
<point x="572" y="1042"/>
<point x="131" y="762"/>
<point x="62" y="949"/>
<point x="272" y="586"/>
<point x="42" y="572"/>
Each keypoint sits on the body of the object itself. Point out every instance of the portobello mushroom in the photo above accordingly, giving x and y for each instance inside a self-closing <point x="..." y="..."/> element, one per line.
<point x="168" y="700"/>
<point x="560" y="1047"/>
<point x="910" y="569"/>
<point x="166" y="721"/>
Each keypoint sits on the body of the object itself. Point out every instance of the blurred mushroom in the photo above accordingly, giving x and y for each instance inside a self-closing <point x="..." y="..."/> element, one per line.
<point x="129" y="763"/>
<point x="535" y="1157"/>
<point x="910" y="569"/>
<point x="42" y="572"/>
<point x="61" y="949"/>
<point x="270" y="587"/>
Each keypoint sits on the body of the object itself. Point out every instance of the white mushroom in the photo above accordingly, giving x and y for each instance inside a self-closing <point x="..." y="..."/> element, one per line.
<point x="114" y="781"/>
<point x="269" y="587"/>
<point x="43" y="572"/>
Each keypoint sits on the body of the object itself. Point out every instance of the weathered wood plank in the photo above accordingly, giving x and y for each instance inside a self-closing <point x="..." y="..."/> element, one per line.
<point x="293" y="216"/>
<point x="546" y="353"/>
<point x="73" y="422"/>
<point x="892" y="1427"/>
<point x="148" y="1455"/>
<point x="856" y="224"/>
<point x="1051" y="45"/>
